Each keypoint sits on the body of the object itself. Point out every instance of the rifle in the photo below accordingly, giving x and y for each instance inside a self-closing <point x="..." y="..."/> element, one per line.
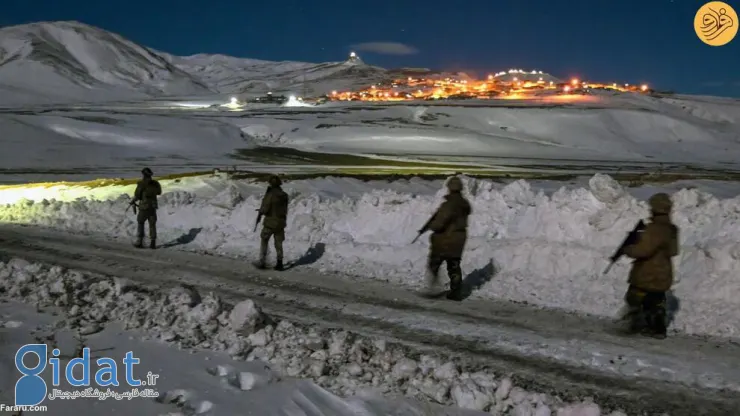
<point x="259" y="214"/>
<point x="629" y="240"/>
<point x="132" y="205"/>
<point x="423" y="229"/>
<point x="259" y="217"/>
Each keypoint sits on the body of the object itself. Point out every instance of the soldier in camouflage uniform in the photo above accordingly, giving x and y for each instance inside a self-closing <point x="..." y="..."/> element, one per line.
<point x="651" y="275"/>
<point x="449" y="234"/>
<point x="274" y="208"/>
<point x="147" y="190"/>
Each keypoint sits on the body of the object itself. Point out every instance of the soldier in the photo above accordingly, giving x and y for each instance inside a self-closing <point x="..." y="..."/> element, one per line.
<point x="275" y="210"/>
<point x="449" y="234"/>
<point x="651" y="275"/>
<point x="147" y="190"/>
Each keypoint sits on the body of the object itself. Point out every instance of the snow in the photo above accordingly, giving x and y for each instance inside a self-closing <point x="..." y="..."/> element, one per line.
<point x="109" y="143"/>
<point x="537" y="243"/>
<point x="74" y="62"/>
<point x="122" y="104"/>
<point x="228" y="74"/>
<point x="72" y="57"/>
<point x="266" y="369"/>
<point x="624" y="131"/>
<point x="629" y="133"/>
<point x="191" y="382"/>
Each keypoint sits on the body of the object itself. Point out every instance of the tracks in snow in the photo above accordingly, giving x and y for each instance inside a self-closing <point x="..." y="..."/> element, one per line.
<point x="548" y="351"/>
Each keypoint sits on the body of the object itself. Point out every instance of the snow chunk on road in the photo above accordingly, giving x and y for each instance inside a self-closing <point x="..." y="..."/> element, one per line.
<point x="245" y="317"/>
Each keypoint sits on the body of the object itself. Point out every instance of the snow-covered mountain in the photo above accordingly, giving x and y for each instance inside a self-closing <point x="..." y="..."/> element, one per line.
<point x="72" y="61"/>
<point x="228" y="74"/>
<point x="62" y="62"/>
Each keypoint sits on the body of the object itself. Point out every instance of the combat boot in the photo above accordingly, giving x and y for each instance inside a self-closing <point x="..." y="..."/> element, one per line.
<point x="653" y="333"/>
<point x="153" y="244"/>
<point x="139" y="243"/>
<point x="656" y="327"/>
<point x="261" y="264"/>
<point x="455" y="292"/>
<point x="279" y="265"/>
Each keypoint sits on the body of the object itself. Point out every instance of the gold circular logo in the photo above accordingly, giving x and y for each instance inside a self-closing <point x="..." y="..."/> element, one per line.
<point x="716" y="23"/>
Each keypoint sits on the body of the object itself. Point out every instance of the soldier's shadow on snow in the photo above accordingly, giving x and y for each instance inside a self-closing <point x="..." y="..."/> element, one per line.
<point x="477" y="278"/>
<point x="672" y="306"/>
<point x="186" y="238"/>
<point x="313" y="255"/>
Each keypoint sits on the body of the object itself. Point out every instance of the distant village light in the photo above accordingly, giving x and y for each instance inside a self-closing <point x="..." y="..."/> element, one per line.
<point x="490" y="87"/>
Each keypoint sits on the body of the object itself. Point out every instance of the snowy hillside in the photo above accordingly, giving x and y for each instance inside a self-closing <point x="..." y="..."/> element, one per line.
<point x="74" y="60"/>
<point x="55" y="62"/>
<point x="514" y="75"/>
<point x="625" y="131"/>
<point x="236" y="75"/>
<point x="610" y="128"/>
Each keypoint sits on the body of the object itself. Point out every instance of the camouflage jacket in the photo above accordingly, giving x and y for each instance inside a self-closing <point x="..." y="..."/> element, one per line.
<point x="449" y="226"/>
<point x="275" y="208"/>
<point x="652" y="269"/>
<point x="146" y="194"/>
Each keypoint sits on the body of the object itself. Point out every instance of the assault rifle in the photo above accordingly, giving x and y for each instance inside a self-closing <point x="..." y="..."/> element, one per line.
<point x="259" y="214"/>
<point x="259" y="217"/>
<point x="133" y="206"/>
<point x="423" y="229"/>
<point x="629" y="240"/>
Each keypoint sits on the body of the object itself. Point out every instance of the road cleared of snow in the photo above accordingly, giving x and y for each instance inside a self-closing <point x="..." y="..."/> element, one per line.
<point x="548" y="350"/>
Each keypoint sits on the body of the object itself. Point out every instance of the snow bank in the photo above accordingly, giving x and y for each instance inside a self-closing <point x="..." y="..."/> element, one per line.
<point x="342" y="362"/>
<point x="524" y="245"/>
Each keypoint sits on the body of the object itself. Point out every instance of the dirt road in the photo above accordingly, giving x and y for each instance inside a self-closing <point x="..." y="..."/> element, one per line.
<point x="548" y="351"/>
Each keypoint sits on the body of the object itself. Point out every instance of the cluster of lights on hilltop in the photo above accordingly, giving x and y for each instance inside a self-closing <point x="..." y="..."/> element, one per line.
<point x="515" y="71"/>
<point x="514" y="83"/>
<point x="511" y="84"/>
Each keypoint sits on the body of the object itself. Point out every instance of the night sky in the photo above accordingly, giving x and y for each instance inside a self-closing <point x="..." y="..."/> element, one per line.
<point x="650" y="41"/>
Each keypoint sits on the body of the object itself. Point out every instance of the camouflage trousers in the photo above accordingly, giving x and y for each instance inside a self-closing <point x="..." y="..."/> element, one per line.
<point x="453" y="270"/>
<point x="646" y="309"/>
<point x="150" y="216"/>
<point x="278" y="239"/>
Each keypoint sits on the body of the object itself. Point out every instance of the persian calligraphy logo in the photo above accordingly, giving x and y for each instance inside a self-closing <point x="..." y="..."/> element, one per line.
<point x="716" y="23"/>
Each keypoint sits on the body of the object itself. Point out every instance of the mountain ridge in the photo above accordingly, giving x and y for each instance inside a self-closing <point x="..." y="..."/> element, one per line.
<point x="73" y="61"/>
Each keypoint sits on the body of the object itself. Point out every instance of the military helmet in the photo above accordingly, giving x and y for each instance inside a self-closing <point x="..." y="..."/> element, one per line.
<point x="147" y="172"/>
<point x="660" y="203"/>
<point x="455" y="184"/>
<point x="274" y="180"/>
